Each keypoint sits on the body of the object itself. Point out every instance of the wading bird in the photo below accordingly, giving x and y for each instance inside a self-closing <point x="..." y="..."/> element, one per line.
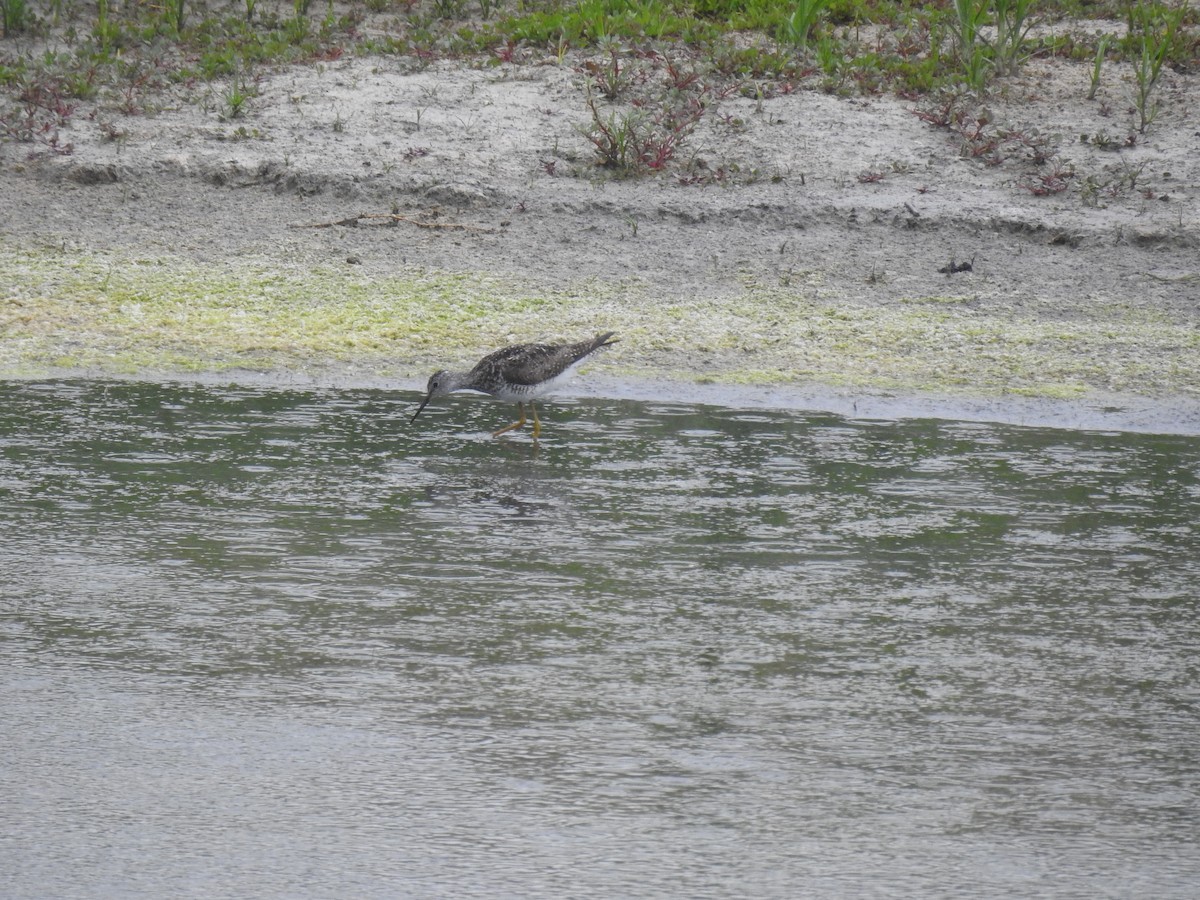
<point x="520" y="373"/>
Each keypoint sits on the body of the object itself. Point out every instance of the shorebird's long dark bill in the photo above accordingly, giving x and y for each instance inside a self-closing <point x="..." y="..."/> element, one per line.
<point x="424" y="403"/>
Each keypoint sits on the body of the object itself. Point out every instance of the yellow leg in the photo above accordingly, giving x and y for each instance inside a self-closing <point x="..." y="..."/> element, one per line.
<point x="537" y="423"/>
<point x="517" y="424"/>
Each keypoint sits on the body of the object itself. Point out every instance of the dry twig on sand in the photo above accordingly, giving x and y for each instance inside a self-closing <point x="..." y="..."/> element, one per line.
<point x="393" y="219"/>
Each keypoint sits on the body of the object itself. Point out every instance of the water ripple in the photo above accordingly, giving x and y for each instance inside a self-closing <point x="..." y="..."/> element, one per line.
<point x="281" y="642"/>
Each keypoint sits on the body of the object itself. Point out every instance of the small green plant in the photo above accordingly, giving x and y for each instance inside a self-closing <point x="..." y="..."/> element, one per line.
<point x="177" y="14"/>
<point x="1115" y="183"/>
<point x="980" y="57"/>
<point x="14" y="16"/>
<point x="1012" y="27"/>
<point x="970" y="18"/>
<point x="1054" y="180"/>
<point x="561" y="46"/>
<point x="611" y="76"/>
<point x="1089" y="192"/>
<point x="296" y="30"/>
<point x="1102" y="140"/>
<point x="830" y="56"/>
<point x="644" y="140"/>
<point x="237" y="95"/>
<point x="449" y="9"/>
<point x="110" y="133"/>
<point x="1157" y="24"/>
<point x="104" y="31"/>
<point x="1101" y="50"/>
<point x="1131" y="173"/>
<point x="797" y="28"/>
<point x="613" y="136"/>
<point x="43" y="105"/>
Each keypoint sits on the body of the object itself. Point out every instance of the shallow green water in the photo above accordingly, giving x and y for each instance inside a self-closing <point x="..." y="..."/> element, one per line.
<point x="281" y="643"/>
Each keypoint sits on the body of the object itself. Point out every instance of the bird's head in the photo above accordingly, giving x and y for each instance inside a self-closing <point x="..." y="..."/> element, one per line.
<point x="439" y="383"/>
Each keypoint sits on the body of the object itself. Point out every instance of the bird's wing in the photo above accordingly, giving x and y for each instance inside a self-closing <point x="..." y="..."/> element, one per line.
<point x="520" y="363"/>
<point x="531" y="364"/>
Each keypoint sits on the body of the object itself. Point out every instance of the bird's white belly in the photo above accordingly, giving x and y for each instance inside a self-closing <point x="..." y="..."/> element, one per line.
<point x="516" y="393"/>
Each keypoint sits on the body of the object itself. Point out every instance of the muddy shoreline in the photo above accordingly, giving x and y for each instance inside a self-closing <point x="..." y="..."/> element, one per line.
<point x="1114" y="413"/>
<point x="813" y="279"/>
